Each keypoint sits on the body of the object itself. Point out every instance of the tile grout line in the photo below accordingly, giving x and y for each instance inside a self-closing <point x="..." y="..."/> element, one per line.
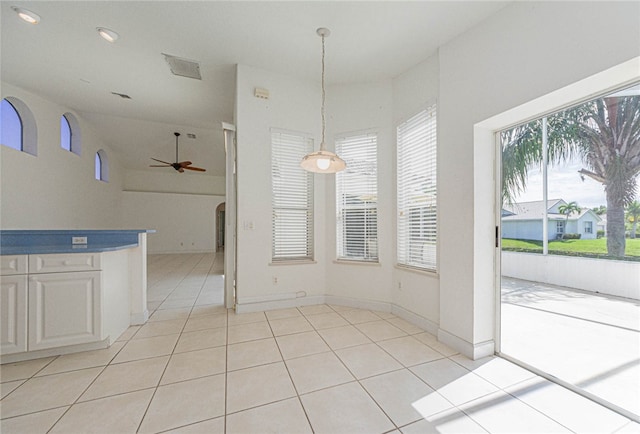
<point x="226" y="372"/>
<point x="155" y="390"/>
<point x="355" y="377"/>
<point x="85" y="390"/>
<point x="295" y="389"/>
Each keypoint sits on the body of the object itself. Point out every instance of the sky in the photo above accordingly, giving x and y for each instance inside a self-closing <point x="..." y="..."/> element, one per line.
<point x="564" y="182"/>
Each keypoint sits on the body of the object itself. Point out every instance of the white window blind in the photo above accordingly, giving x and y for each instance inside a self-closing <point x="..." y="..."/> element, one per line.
<point x="417" y="192"/>
<point x="292" y="197"/>
<point x="357" y="198"/>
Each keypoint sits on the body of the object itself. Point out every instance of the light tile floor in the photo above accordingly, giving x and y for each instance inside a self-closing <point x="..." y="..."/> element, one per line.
<point x="197" y="368"/>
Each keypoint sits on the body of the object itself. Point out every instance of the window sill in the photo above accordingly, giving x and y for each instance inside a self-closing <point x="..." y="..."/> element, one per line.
<point x="356" y="262"/>
<point x="293" y="262"/>
<point x="430" y="273"/>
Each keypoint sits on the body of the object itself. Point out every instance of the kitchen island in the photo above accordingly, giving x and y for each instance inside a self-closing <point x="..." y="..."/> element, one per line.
<point x="65" y="291"/>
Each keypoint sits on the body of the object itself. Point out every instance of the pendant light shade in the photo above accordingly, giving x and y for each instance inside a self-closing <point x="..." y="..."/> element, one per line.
<point x="323" y="161"/>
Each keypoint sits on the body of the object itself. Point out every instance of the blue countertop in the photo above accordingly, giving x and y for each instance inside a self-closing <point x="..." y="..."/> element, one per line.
<point x="26" y="242"/>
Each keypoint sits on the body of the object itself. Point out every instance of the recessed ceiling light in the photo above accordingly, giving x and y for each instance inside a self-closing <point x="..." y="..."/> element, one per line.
<point x="107" y="34"/>
<point x="26" y="15"/>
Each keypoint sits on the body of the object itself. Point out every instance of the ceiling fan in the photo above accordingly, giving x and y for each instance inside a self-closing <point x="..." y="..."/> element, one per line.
<point x="179" y="166"/>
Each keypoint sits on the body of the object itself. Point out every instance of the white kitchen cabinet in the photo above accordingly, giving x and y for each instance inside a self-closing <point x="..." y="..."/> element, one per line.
<point x="50" y="301"/>
<point x="59" y="298"/>
<point x="64" y="309"/>
<point x="13" y="314"/>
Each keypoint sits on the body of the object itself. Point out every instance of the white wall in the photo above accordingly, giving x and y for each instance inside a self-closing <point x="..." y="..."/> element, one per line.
<point x="525" y="51"/>
<point x="353" y="108"/>
<point x="293" y="105"/>
<point x="57" y="189"/>
<point x="526" y="229"/>
<point x="619" y="278"/>
<point x="418" y="292"/>
<point x="184" y="223"/>
<point x="170" y="181"/>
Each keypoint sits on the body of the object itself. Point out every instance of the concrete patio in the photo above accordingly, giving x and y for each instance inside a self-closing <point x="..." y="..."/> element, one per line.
<point x="586" y="339"/>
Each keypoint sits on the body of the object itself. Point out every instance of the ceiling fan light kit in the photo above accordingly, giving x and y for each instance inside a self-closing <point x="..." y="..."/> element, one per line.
<point x="323" y="161"/>
<point x="178" y="166"/>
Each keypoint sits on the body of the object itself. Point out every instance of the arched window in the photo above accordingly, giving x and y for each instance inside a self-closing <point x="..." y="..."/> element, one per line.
<point x="102" y="166"/>
<point x="70" y="133"/>
<point x="18" y="126"/>
<point x="65" y="133"/>
<point x="11" y="126"/>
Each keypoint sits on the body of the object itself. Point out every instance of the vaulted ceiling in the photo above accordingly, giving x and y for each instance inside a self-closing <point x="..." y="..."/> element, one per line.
<point x="64" y="60"/>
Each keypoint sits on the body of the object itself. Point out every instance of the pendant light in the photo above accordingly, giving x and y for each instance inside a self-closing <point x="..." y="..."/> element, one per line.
<point x="323" y="161"/>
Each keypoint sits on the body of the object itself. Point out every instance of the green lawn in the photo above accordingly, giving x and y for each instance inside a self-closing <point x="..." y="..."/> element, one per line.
<point x="596" y="247"/>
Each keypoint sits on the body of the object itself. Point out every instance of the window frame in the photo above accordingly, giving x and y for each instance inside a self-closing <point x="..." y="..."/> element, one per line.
<point x="68" y="128"/>
<point x="20" y="125"/>
<point x="29" y="128"/>
<point x="417" y="241"/>
<point x="364" y="235"/>
<point x="102" y="162"/>
<point x="288" y="160"/>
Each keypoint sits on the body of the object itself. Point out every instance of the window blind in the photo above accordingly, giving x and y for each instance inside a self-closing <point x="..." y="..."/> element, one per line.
<point x="417" y="191"/>
<point x="357" y="198"/>
<point x="292" y="197"/>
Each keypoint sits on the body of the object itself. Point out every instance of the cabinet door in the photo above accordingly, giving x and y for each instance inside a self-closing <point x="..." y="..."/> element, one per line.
<point x="13" y="314"/>
<point x="64" y="309"/>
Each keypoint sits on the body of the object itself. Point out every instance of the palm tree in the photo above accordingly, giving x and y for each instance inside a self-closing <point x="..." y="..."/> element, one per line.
<point x="604" y="133"/>
<point x="633" y="214"/>
<point x="568" y="209"/>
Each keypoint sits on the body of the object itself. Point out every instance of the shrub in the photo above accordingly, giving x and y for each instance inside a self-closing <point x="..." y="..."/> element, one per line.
<point x="571" y="236"/>
<point x="600" y="233"/>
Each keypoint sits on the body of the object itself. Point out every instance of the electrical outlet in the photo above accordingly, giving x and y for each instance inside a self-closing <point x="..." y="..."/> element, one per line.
<point x="78" y="240"/>
<point x="399" y="285"/>
<point x="275" y="280"/>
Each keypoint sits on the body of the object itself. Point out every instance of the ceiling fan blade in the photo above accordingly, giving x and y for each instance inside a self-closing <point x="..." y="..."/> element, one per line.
<point x="185" y="163"/>
<point x="197" y="169"/>
<point x="160" y="161"/>
<point x="158" y="165"/>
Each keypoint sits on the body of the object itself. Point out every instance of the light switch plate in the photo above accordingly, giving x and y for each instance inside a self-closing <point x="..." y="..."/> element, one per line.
<point x="78" y="240"/>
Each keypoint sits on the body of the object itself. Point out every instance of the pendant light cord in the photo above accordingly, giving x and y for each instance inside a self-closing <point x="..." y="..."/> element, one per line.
<point x="323" y="98"/>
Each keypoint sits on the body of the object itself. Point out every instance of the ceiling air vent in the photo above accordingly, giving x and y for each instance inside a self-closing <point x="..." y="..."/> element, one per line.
<point x="183" y="67"/>
<point x="191" y="135"/>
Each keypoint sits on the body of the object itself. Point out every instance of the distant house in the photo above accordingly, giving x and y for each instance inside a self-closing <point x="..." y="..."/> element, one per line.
<point x="524" y="221"/>
<point x="602" y="224"/>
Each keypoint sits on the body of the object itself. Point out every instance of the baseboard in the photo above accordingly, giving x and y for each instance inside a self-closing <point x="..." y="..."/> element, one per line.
<point x="258" y="304"/>
<point x="380" y="306"/>
<point x="472" y="351"/>
<point x="415" y="319"/>
<point x="289" y="300"/>
<point x="178" y="252"/>
<point x="139" y="318"/>
<point x="69" y="349"/>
